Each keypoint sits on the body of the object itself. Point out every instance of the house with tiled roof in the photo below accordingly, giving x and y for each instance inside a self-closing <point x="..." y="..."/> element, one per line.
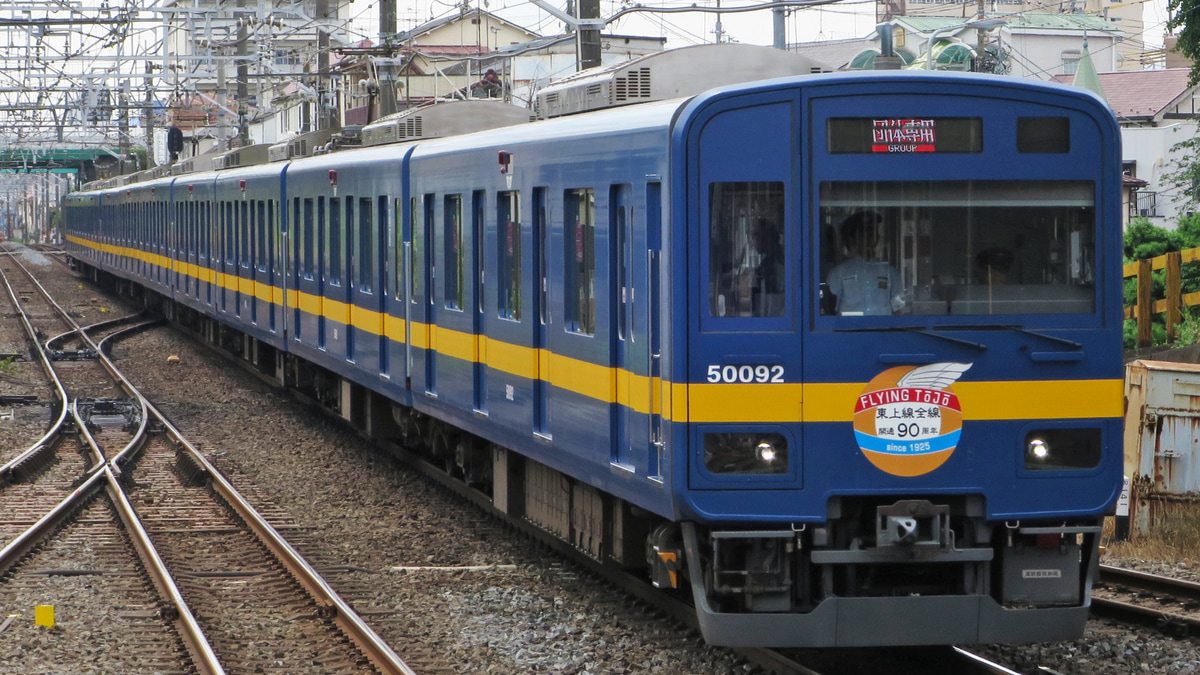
<point x="1026" y="45"/>
<point x="1124" y="15"/>
<point x="447" y="57"/>
<point x="1156" y="109"/>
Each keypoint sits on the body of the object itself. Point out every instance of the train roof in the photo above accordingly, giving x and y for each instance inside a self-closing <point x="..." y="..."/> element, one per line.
<point x="632" y="119"/>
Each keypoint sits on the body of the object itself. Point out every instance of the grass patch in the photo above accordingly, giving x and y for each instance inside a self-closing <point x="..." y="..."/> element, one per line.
<point x="1173" y="537"/>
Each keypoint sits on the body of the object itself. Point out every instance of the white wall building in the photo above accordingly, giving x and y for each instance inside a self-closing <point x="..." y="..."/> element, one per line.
<point x="1156" y="110"/>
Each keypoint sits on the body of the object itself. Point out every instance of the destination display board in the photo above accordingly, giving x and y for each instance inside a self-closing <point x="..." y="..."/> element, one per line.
<point x="904" y="135"/>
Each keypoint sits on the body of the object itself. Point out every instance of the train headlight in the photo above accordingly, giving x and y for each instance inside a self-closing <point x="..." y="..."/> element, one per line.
<point x="729" y="453"/>
<point x="1037" y="450"/>
<point x="1062" y="449"/>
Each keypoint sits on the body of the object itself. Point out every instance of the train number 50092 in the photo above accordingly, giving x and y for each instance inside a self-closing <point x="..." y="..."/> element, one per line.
<point x="745" y="374"/>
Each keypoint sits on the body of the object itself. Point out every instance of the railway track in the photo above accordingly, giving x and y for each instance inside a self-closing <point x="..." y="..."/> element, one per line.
<point x="264" y="606"/>
<point x="1171" y="605"/>
<point x="156" y="501"/>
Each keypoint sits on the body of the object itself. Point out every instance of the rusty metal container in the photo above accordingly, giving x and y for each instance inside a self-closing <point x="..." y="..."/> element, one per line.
<point x="1162" y="441"/>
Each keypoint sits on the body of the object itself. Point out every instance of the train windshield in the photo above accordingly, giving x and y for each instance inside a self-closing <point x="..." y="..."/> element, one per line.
<point x="957" y="247"/>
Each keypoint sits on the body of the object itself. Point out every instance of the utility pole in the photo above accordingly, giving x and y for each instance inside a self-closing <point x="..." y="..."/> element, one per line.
<point x="587" y="39"/>
<point x="387" y="38"/>
<point x="779" y="25"/>
<point x="326" y="115"/>
<point x="243" y="73"/>
<point x="222" y="101"/>
<point x="148" y="113"/>
<point x="717" y="31"/>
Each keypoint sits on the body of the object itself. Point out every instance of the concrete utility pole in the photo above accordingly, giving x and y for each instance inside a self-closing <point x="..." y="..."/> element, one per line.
<point x="327" y="114"/>
<point x="587" y="39"/>
<point x="148" y="113"/>
<point x="243" y="73"/>
<point x="779" y="25"/>
<point x="387" y="38"/>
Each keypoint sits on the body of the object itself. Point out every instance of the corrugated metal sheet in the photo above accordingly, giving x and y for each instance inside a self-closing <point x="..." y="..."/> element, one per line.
<point x="1162" y="436"/>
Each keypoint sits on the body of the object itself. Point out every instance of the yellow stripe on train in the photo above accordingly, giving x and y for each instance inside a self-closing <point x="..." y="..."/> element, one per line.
<point x="702" y="402"/>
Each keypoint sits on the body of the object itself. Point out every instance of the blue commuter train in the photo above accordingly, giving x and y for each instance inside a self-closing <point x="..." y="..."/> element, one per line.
<point x="838" y="355"/>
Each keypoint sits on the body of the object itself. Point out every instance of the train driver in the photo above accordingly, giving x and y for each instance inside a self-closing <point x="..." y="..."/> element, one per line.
<point x="863" y="285"/>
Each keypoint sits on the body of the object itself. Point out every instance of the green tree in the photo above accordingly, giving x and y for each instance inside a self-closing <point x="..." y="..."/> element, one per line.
<point x="1187" y="29"/>
<point x="1184" y="175"/>
<point x="1143" y="240"/>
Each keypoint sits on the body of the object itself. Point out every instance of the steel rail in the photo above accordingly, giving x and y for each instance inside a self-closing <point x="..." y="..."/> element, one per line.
<point x="1167" y="621"/>
<point x="11" y="471"/>
<point x="199" y="649"/>
<point x="47" y="524"/>
<point x="81" y="426"/>
<point x="372" y="646"/>
<point x="364" y="637"/>
<point x="982" y="665"/>
<point x="203" y="656"/>
<point x="101" y="358"/>
<point x="55" y="341"/>
<point x="1150" y="582"/>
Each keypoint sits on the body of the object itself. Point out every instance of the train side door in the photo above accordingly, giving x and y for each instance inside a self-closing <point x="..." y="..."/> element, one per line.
<point x="338" y="273"/>
<point x="429" y="273"/>
<point x="308" y="233"/>
<point x="317" y="289"/>
<point x="224" y="259"/>
<point x="272" y="259"/>
<point x="630" y="437"/>
<point x="744" y="349"/>
<point x="245" y="263"/>
<point x="653" y="327"/>
<point x="379" y="276"/>
<point x="479" y="327"/>
<point x="541" y="301"/>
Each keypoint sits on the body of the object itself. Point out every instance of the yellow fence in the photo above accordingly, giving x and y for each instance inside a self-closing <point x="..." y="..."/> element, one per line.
<point x="1173" y="304"/>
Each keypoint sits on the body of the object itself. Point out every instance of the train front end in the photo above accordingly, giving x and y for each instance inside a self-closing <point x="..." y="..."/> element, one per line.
<point x="904" y="375"/>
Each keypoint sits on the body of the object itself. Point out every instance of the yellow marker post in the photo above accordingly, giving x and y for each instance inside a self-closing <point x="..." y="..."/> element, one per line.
<point x="43" y="615"/>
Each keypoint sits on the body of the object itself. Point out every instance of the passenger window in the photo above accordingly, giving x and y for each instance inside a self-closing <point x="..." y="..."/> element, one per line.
<point x="366" y="230"/>
<point x="318" y="241"/>
<point x="508" y="222"/>
<point x="264" y="251"/>
<point x="335" y="241"/>
<point x="272" y="254"/>
<point x="244" y="225"/>
<point x="747" y="256"/>
<point x="417" y="216"/>
<point x="579" y="214"/>
<point x="230" y="237"/>
<point x="308" y="238"/>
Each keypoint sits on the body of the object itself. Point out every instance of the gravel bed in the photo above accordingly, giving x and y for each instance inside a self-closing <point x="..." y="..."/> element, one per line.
<point x="105" y="622"/>
<point x="369" y="514"/>
<point x="21" y="425"/>
<point x="531" y="615"/>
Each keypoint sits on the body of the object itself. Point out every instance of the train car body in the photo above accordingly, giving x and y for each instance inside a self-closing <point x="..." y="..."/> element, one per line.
<point x="839" y="355"/>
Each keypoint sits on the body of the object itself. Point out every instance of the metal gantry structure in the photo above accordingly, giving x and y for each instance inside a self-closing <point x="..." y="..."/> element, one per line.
<point x="88" y="82"/>
<point x="101" y="74"/>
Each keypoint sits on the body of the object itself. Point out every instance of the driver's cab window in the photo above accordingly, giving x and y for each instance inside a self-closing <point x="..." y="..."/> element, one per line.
<point x="957" y="248"/>
<point x="747" y="260"/>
